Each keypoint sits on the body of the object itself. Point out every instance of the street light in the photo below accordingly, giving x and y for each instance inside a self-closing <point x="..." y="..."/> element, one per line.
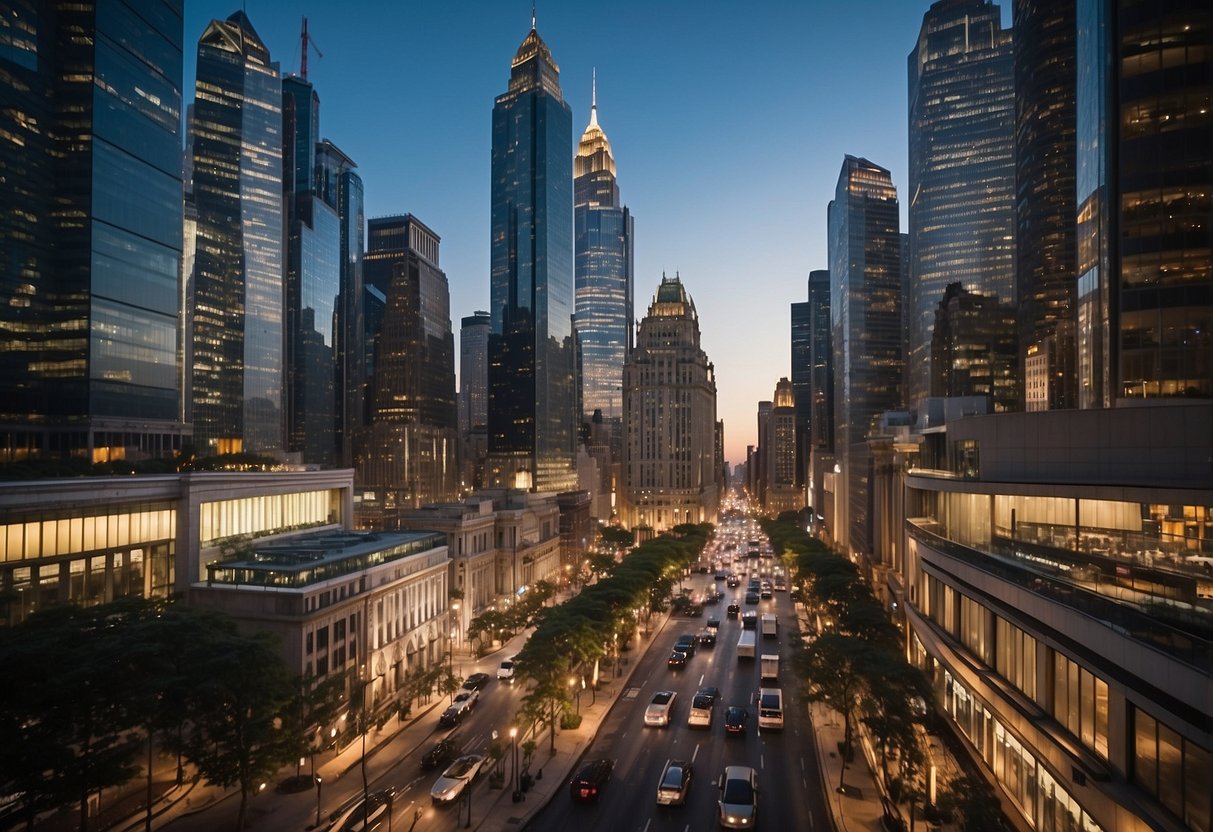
<point x="572" y="683"/>
<point x="514" y="777"/>
<point x="319" y="783"/>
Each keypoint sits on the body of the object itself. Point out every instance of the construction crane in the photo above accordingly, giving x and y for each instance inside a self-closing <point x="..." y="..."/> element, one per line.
<point x="306" y="40"/>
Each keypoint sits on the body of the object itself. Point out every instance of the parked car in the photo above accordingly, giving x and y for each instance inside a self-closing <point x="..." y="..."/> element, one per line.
<point x="440" y="753"/>
<point x="738" y="804"/>
<point x="735" y="719"/>
<point x="476" y="681"/>
<point x="660" y="710"/>
<point x="674" y="784"/>
<point x="456" y="778"/>
<point x="590" y="778"/>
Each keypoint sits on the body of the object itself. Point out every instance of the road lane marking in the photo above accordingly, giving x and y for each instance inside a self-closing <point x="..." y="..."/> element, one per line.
<point x="701" y="678"/>
<point x="762" y="761"/>
<point x="696" y="753"/>
<point x="647" y="823"/>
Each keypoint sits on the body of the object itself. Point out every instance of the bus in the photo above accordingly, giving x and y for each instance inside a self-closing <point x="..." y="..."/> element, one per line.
<point x="770" y="708"/>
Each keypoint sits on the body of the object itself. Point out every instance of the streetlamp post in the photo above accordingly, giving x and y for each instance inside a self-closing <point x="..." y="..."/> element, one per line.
<point x="514" y="776"/>
<point x="319" y="783"/>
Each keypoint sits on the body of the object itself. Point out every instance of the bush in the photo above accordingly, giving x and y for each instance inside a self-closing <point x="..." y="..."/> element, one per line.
<point x="570" y="722"/>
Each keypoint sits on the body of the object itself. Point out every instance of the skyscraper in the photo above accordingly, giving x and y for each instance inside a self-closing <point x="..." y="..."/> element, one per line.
<point x="531" y="418"/>
<point x="473" y="397"/>
<point x="238" y="373"/>
<point x="89" y="305"/>
<point x="779" y="447"/>
<point x="821" y="387"/>
<point x="603" y="268"/>
<point x="802" y="385"/>
<point x="962" y="167"/>
<point x="973" y="349"/>
<point x="670" y="473"/>
<point x="1045" y="198"/>
<point x="406" y="457"/>
<point x="865" y="314"/>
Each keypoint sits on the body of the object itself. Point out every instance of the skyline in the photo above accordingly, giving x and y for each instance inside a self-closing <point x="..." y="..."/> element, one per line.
<point x="692" y="167"/>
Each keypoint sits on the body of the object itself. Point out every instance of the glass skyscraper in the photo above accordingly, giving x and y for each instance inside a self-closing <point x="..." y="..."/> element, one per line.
<point x="962" y="167"/>
<point x="89" y="265"/>
<point x="603" y="265"/>
<point x="237" y="377"/>
<point x="802" y="384"/>
<point x="531" y="419"/>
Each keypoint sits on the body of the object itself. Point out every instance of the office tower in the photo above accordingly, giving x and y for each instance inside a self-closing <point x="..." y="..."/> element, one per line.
<point x="821" y="387"/>
<point x="962" y="167"/>
<point x="313" y="279"/>
<point x="1045" y="199"/>
<point x="865" y="314"/>
<point x="238" y="373"/>
<point x="603" y="267"/>
<point x="1145" y="226"/>
<point x="341" y="187"/>
<point x="762" y="473"/>
<point x="531" y="417"/>
<point x="670" y="473"/>
<point x="973" y="349"/>
<point x="473" y="397"/>
<point x="779" y="444"/>
<point x="802" y="385"/>
<point x="406" y="457"/>
<point x="89" y="306"/>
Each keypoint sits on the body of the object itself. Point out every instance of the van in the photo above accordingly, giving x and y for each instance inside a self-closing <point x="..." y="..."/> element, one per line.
<point x="746" y="645"/>
<point x="770" y="708"/>
<point x="768" y="667"/>
<point x="770" y="625"/>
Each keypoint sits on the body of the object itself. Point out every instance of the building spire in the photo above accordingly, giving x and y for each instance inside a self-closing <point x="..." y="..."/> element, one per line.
<point x="594" y="98"/>
<point x="532" y="15"/>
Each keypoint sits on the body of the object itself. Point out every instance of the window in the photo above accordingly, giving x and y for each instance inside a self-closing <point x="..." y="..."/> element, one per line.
<point x="1173" y="769"/>
<point x="1015" y="658"/>
<point x="1080" y="703"/>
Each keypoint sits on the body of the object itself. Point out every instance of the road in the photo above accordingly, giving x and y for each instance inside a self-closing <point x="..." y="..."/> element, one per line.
<point x="790" y="794"/>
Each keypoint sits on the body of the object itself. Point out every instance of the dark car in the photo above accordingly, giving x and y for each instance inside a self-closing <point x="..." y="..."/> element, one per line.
<point x="751" y="598"/>
<point x="712" y="597"/>
<point x="712" y="623"/>
<point x="588" y="783"/>
<point x="452" y="716"/>
<point x="686" y="644"/>
<point x="709" y="690"/>
<point x="707" y="638"/>
<point x="749" y="621"/>
<point x="476" y="681"/>
<point x="441" y="753"/>
<point x="677" y="660"/>
<point x="734" y="610"/>
<point x="735" y="719"/>
<point x="675" y="783"/>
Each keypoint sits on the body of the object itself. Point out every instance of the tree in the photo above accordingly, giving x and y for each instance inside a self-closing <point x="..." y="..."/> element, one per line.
<point x="889" y="715"/>
<point x="978" y="805"/>
<point x="834" y="667"/>
<point x="246" y="724"/>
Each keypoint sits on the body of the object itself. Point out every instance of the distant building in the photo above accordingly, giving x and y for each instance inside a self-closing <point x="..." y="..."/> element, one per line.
<point x="90" y="318"/>
<point x="821" y="387"/>
<point x="406" y="456"/>
<point x="532" y="385"/>
<point x="762" y="456"/>
<point x="473" y="398"/>
<point x="962" y="168"/>
<point x="973" y="349"/>
<point x="865" y="314"/>
<point x="802" y="386"/>
<point x="779" y="444"/>
<point x="670" y="474"/>
<point x="237" y="383"/>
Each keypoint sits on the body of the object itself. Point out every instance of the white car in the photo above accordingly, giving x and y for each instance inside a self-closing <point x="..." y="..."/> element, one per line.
<point x="738" y="802"/>
<point x="457" y="777"/>
<point x="505" y="670"/>
<point x="660" y="709"/>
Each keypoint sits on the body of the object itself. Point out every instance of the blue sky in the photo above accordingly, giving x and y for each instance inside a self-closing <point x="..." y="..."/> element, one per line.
<point x="728" y="121"/>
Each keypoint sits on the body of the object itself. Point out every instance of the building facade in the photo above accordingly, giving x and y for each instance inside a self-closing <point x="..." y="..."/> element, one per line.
<point x="532" y="392"/>
<point x="89" y="265"/>
<point x="779" y="447"/>
<point x="407" y="455"/>
<point x="237" y="378"/>
<point x="865" y="316"/>
<point x="973" y="349"/>
<point x="802" y="387"/>
<point x="473" y="372"/>
<point x="670" y="473"/>
<point x="821" y="388"/>
<point x="962" y="168"/>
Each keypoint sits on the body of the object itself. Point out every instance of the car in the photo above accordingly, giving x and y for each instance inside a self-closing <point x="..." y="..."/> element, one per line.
<point x="677" y="660"/>
<point x="470" y="697"/>
<point x="700" y="715"/>
<point x="712" y="597"/>
<point x="766" y="592"/>
<point x="455" y="713"/>
<point x="781" y="585"/>
<point x="457" y="777"/>
<point x="660" y="710"/>
<point x="505" y="671"/>
<point x="364" y="816"/>
<point x="709" y="690"/>
<point x="476" y="681"/>
<point x="440" y="753"/>
<point x="712" y="624"/>
<point x="674" y="784"/>
<point x="707" y="638"/>
<point x="738" y="804"/>
<point x="733" y="581"/>
<point x="733" y="610"/>
<point x="686" y="644"/>
<point x="749" y="621"/>
<point x="587" y="783"/>
<point x="735" y="719"/>
<point x="751" y="598"/>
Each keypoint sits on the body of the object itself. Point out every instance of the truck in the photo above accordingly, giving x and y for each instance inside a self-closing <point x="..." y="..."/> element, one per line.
<point x="770" y="625"/>
<point x="745" y="645"/>
<point x="768" y="667"/>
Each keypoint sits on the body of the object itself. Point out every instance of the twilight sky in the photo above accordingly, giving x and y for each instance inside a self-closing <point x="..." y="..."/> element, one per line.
<point x="728" y="122"/>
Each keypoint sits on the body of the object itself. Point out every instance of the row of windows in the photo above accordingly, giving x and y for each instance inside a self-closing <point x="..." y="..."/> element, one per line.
<point x="1080" y="703"/>
<point x="1175" y="770"/>
<point x="257" y="515"/>
<point x="47" y="538"/>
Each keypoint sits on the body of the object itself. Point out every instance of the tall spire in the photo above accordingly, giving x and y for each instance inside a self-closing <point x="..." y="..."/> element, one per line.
<point x="594" y="98"/>
<point x="532" y="15"/>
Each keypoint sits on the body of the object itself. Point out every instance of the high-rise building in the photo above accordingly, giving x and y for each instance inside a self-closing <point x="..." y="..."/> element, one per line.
<point x="313" y="280"/>
<point x="406" y="457"/>
<point x="865" y="316"/>
<point x="532" y="396"/>
<point x="89" y="263"/>
<point x="670" y="471"/>
<point x="474" y="397"/>
<point x="762" y="475"/>
<point x="962" y="167"/>
<point x="973" y="349"/>
<point x="1045" y="193"/>
<point x="238" y="373"/>
<point x="779" y="448"/>
<point x="1145" y="223"/>
<point x="802" y="385"/>
<point x="821" y="387"/>
<point x="603" y="267"/>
